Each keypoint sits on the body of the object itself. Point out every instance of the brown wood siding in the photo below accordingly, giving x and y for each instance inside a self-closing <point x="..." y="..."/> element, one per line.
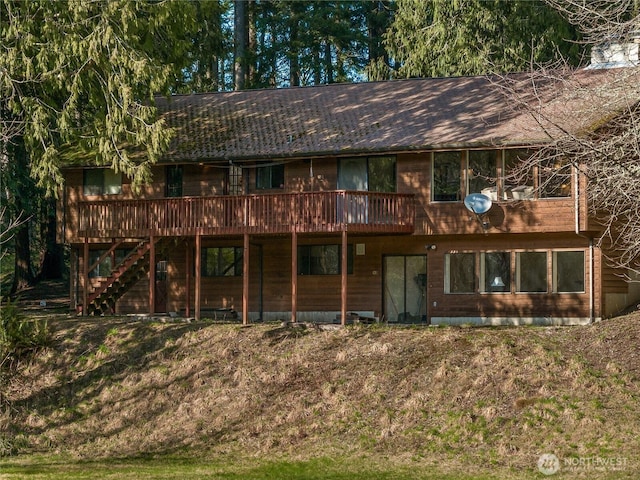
<point x="203" y="181"/>
<point x="365" y="287"/>
<point x="413" y="177"/>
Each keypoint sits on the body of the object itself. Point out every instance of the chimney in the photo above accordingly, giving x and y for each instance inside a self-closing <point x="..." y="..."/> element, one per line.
<point x="616" y="54"/>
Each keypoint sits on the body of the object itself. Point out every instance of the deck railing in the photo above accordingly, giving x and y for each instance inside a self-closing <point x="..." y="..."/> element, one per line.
<point x="305" y="212"/>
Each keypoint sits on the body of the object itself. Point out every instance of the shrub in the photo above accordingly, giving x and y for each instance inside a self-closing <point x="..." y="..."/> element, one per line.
<point x="19" y="334"/>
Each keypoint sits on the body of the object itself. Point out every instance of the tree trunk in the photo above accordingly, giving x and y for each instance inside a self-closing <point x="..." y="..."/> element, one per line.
<point x="23" y="194"/>
<point x="22" y="272"/>
<point x="241" y="40"/>
<point x="51" y="261"/>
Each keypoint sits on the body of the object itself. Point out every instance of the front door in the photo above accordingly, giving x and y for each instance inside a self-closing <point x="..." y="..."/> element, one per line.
<point x="161" y="287"/>
<point x="405" y="288"/>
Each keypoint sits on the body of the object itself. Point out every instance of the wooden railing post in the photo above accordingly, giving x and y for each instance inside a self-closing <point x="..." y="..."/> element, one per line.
<point x="343" y="283"/>
<point x="85" y="278"/>
<point x="152" y="276"/>
<point x="245" y="280"/>
<point x="294" y="275"/>
<point x="198" y="274"/>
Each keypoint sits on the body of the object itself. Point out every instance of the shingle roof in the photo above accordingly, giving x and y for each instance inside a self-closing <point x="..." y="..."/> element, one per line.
<point x="401" y="115"/>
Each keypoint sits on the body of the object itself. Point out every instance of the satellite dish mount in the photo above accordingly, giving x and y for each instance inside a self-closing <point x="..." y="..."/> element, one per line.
<point x="479" y="204"/>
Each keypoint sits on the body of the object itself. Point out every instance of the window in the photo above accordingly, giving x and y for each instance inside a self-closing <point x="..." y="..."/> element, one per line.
<point x="446" y="176"/>
<point x="102" y="181"/>
<point x="323" y="259"/>
<point x="373" y="174"/>
<point x="518" y="176"/>
<point x="221" y="261"/>
<point x="460" y="273"/>
<point x="382" y="174"/>
<point x="481" y="174"/>
<point x="555" y="179"/>
<point x="568" y="272"/>
<point x="104" y="268"/>
<point x="234" y="180"/>
<point x="531" y="272"/>
<point x="174" y="181"/>
<point x="270" y="177"/>
<point x="496" y="271"/>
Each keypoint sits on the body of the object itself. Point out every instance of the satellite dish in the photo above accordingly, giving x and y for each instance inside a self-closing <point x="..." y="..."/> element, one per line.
<point x="477" y="203"/>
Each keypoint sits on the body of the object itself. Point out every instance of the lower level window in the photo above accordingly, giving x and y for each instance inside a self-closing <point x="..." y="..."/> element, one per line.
<point x="323" y="259"/>
<point x="221" y="261"/>
<point x="496" y="271"/>
<point x="532" y="272"/>
<point x="568" y="271"/>
<point x="105" y="267"/>
<point x="460" y="273"/>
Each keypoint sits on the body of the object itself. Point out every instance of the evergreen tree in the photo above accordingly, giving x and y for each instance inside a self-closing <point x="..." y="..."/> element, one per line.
<point x="77" y="81"/>
<point x="475" y="37"/>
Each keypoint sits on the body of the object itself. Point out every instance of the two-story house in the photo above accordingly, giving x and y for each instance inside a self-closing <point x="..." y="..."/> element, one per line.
<point x="306" y="204"/>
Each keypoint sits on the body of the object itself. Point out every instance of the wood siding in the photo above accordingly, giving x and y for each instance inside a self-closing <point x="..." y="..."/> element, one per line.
<point x="270" y="278"/>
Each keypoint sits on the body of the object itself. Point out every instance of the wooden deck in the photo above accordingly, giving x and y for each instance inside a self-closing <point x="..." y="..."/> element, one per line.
<point x="304" y="212"/>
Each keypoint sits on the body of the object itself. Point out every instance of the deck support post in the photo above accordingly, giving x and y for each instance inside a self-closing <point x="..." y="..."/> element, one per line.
<point x="187" y="310"/>
<point x="198" y="275"/>
<point x="85" y="278"/>
<point x="245" y="280"/>
<point x="152" y="275"/>
<point x="294" y="276"/>
<point x="343" y="287"/>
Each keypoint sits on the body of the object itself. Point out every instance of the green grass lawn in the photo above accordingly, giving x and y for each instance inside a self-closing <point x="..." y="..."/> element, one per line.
<point x="170" y="467"/>
<point x="43" y="467"/>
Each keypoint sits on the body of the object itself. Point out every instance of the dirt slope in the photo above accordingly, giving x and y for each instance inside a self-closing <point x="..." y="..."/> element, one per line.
<point x="474" y="396"/>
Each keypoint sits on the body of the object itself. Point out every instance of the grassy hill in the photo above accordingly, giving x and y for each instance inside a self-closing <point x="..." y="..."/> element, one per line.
<point x="472" y="400"/>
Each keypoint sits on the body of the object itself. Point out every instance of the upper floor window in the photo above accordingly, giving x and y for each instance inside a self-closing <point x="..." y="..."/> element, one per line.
<point x="270" y="177"/>
<point x="525" y="180"/>
<point x="507" y="175"/>
<point x="102" y="181"/>
<point x="554" y="177"/>
<point x="481" y="172"/>
<point x="234" y="183"/>
<point x="372" y="174"/>
<point x="447" y="178"/>
<point x="174" y="181"/>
